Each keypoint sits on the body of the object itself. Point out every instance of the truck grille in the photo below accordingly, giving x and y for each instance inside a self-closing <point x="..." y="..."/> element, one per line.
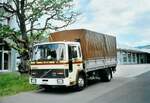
<point x="49" y="73"/>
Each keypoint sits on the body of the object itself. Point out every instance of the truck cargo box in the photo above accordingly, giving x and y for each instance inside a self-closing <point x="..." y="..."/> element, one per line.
<point x="93" y="44"/>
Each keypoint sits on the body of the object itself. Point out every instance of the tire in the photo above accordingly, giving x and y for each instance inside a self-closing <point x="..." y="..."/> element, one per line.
<point x="106" y="75"/>
<point x="81" y="83"/>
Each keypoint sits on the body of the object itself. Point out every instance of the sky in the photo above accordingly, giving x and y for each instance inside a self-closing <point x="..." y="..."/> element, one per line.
<point x="128" y="20"/>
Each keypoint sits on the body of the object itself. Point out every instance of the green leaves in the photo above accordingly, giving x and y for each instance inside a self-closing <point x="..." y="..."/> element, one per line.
<point x="11" y="37"/>
<point x="6" y="31"/>
<point x="34" y="18"/>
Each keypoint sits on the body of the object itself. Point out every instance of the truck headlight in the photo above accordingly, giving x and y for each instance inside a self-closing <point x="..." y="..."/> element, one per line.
<point x="33" y="80"/>
<point x="60" y="81"/>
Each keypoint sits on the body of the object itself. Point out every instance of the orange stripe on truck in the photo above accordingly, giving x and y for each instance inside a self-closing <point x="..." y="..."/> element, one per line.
<point x="54" y="63"/>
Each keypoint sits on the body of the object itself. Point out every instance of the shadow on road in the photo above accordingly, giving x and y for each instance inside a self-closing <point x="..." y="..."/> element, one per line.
<point x="67" y="90"/>
<point x="56" y="90"/>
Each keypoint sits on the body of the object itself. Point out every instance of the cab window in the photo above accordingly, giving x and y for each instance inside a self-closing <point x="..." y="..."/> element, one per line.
<point x="73" y="52"/>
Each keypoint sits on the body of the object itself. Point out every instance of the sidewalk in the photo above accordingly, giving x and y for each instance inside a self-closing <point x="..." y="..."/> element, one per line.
<point x="131" y="70"/>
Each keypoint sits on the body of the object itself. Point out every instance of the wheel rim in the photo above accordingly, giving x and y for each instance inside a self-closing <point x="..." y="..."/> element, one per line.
<point x="81" y="82"/>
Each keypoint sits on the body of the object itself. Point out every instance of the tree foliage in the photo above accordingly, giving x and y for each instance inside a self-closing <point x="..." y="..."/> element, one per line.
<point x="33" y="18"/>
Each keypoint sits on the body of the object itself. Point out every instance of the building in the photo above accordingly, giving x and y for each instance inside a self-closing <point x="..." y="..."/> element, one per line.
<point x="7" y="57"/>
<point x="129" y="55"/>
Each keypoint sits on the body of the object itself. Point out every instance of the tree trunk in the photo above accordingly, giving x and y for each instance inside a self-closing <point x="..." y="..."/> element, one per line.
<point x="24" y="66"/>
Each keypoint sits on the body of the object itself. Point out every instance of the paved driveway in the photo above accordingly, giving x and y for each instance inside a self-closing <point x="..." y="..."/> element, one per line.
<point x="125" y="80"/>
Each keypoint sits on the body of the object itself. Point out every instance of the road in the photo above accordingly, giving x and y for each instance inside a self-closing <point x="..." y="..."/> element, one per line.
<point x="131" y="84"/>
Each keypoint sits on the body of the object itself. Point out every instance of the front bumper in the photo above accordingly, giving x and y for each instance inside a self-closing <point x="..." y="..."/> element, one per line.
<point x="50" y="81"/>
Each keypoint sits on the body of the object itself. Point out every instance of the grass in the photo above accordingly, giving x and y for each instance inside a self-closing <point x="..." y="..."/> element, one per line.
<point x="13" y="83"/>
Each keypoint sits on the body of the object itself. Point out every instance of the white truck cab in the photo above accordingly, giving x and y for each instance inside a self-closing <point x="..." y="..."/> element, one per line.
<point x="56" y="63"/>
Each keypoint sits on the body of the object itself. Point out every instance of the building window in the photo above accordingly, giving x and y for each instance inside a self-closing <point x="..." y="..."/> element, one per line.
<point x="134" y="58"/>
<point x="6" y="61"/>
<point x="129" y="57"/>
<point x="4" y="56"/>
<point x="124" y="57"/>
<point x="0" y="60"/>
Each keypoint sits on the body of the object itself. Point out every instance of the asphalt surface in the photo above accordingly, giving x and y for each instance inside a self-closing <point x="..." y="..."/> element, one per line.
<point x="131" y="84"/>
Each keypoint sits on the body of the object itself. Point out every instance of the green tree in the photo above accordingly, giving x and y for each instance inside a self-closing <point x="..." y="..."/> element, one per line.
<point x="34" y="18"/>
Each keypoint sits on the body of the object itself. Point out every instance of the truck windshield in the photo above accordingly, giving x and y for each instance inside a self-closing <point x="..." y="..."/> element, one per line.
<point x="48" y="52"/>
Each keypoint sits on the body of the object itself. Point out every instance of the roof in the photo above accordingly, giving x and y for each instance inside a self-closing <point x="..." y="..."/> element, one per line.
<point x="144" y="47"/>
<point x="132" y="49"/>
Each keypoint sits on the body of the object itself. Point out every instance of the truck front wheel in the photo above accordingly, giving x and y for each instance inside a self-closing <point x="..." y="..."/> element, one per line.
<point x="80" y="83"/>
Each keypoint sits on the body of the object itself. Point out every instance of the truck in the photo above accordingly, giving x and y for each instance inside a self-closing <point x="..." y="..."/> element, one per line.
<point x="72" y="57"/>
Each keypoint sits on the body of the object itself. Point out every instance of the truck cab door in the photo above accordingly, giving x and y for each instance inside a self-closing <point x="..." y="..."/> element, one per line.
<point x="72" y="55"/>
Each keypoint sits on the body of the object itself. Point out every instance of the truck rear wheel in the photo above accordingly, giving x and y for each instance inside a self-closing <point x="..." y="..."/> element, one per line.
<point x="81" y="83"/>
<point x="106" y="75"/>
